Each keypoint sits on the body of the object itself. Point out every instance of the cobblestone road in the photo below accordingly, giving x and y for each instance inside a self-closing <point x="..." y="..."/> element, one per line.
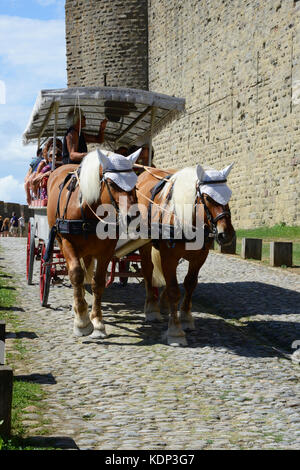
<point x="231" y="388"/>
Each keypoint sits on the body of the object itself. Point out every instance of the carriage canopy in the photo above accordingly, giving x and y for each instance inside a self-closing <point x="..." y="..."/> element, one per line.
<point x="134" y="116"/>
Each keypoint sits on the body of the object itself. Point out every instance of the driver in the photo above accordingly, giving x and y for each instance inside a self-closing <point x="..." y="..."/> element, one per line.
<point x="75" y="141"/>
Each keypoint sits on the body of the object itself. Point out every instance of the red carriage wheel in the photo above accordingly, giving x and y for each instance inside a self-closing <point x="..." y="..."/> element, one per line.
<point x="45" y="279"/>
<point x="30" y="252"/>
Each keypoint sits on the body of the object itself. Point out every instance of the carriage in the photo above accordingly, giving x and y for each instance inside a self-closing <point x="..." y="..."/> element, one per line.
<point x="134" y="118"/>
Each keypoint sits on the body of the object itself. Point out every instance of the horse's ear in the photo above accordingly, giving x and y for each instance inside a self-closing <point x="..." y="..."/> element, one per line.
<point x="134" y="156"/>
<point x="225" y="172"/>
<point x="103" y="159"/>
<point x="200" y="172"/>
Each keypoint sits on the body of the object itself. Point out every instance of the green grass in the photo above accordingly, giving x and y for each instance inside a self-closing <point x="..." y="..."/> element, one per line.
<point x="277" y="232"/>
<point x="280" y="232"/>
<point x="25" y="394"/>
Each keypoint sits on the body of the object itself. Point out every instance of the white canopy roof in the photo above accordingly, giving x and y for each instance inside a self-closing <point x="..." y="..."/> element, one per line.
<point x="142" y="113"/>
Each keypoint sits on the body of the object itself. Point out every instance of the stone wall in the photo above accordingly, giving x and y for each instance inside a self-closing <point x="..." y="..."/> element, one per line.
<point x="7" y="208"/>
<point x="237" y="63"/>
<point x="107" y="37"/>
<point x="238" y="66"/>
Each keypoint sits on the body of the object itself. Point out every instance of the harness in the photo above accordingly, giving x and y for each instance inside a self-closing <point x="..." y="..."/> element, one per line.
<point x="81" y="226"/>
<point x="210" y="230"/>
<point x="212" y="220"/>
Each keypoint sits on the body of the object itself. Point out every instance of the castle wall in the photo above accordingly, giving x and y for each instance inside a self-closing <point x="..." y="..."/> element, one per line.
<point x="107" y="37"/>
<point x="238" y="66"/>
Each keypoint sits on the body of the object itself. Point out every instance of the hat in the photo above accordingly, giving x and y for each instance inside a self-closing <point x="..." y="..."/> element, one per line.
<point x="118" y="168"/>
<point x="213" y="183"/>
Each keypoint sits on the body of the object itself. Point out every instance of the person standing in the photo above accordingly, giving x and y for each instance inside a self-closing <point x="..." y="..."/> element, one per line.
<point x="21" y="221"/>
<point x="14" y="224"/>
<point x="5" y="228"/>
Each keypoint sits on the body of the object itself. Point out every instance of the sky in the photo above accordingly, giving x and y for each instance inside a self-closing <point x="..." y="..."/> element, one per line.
<point x="32" y="58"/>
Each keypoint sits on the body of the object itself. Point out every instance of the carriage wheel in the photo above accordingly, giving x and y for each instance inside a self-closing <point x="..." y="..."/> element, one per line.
<point x="45" y="279"/>
<point x="30" y="252"/>
<point x="124" y="268"/>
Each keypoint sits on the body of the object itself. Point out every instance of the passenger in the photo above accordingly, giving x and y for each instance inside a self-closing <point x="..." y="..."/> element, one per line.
<point x="45" y="165"/>
<point x="75" y="141"/>
<point x="143" y="157"/>
<point x="32" y="169"/>
<point x="123" y="151"/>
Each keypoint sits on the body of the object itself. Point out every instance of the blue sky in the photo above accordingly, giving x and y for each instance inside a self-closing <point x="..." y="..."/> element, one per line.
<point x="32" y="57"/>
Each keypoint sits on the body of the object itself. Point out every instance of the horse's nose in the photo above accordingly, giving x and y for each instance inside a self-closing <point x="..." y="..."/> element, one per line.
<point x="223" y="238"/>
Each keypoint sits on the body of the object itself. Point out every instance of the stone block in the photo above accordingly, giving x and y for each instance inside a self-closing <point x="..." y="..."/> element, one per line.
<point x="2" y="342"/>
<point x="6" y="389"/>
<point x="251" y="248"/>
<point x="281" y="254"/>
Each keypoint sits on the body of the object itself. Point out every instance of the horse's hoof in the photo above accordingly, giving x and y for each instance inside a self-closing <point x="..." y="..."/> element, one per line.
<point x="153" y="317"/>
<point x="98" y="334"/>
<point x="187" y="321"/>
<point x="165" y="311"/>
<point x="86" y="331"/>
<point x="188" y="325"/>
<point x="176" y="341"/>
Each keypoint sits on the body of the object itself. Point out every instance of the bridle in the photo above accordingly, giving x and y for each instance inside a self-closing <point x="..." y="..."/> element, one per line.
<point x="112" y="199"/>
<point x="212" y="220"/>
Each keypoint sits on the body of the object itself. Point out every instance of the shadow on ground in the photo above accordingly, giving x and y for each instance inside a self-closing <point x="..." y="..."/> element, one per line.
<point x="215" y="305"/>
<point x="42" y="379"/>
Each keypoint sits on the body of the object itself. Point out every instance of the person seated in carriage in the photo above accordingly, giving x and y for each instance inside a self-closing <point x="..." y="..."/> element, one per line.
<point x="38" y="182"/>
<point x="32" y="169"/>
<point x="75" y="141"/>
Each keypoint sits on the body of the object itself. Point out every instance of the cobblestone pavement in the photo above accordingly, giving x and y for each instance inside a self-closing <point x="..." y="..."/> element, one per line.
<point x="233" y="387"/>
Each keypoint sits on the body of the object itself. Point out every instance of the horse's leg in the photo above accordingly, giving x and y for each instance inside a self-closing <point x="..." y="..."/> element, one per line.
<point x="82" y="323"/>
<point x="98" y="286"/>
<point x="190" y="283"/>
<point x="164" y="303"/>
<point x="151" y="308"/>
<point x="169" y="262"/>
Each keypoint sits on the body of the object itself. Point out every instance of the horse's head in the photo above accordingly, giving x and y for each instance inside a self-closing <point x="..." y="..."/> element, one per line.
<point x="215" y="195"/>
<point x="108" y="178"/>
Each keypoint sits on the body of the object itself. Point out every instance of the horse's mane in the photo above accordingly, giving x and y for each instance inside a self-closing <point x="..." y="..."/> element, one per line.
<point x="89" y="178"/>
<point x="183" y="195"/>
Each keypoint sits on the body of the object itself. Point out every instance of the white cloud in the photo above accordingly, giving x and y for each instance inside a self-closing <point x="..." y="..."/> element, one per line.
<point x="37" y="45"/>
<point x="32" y="57"/>
<point x="11" y="190"/>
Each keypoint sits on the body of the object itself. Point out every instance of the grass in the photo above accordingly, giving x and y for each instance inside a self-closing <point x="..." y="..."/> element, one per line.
<point x="25" y="394"/>
<point x="279" y="232"/>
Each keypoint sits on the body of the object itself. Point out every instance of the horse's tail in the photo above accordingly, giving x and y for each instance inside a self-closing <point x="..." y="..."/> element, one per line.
<point x="158" y="278"/>
<point x="88" y="266"/>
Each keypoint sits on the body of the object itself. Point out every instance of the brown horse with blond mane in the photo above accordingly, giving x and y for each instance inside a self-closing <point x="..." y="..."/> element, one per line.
<point x="95" y="187"/>
<point x="189" y="197"/>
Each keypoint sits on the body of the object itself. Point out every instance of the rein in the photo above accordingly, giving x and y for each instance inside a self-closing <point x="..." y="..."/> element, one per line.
<point x="212" y="220"/>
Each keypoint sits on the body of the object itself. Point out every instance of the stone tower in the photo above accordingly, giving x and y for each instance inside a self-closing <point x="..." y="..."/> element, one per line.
<point x="107" y="43"/>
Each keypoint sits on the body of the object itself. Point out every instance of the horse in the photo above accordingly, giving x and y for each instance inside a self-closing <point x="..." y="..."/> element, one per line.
<point x="103" y="179"/>
<point x="191" y="195"/>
